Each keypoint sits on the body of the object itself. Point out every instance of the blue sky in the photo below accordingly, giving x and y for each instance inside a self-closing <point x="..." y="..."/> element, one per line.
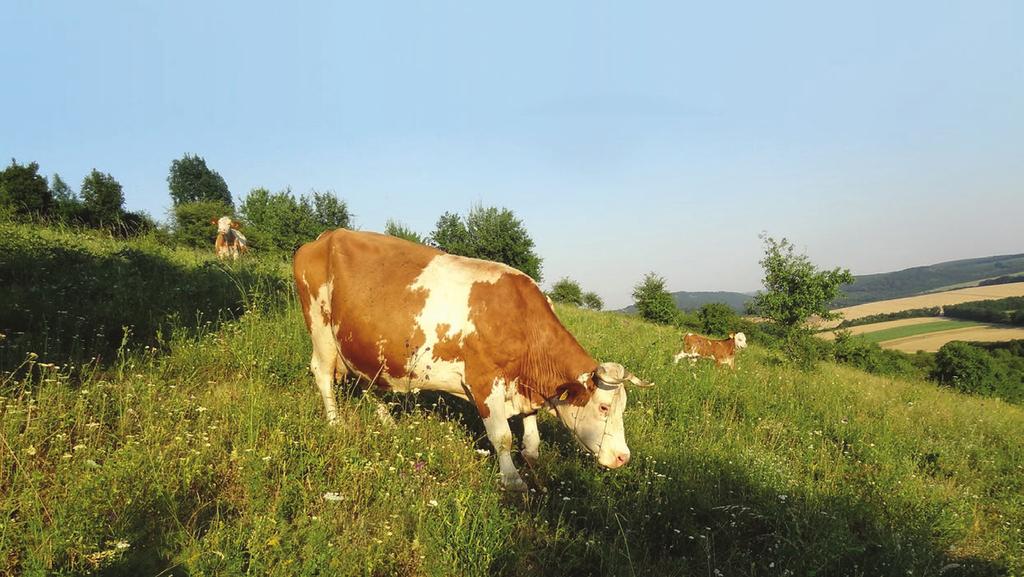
<point x="629" y="137"/>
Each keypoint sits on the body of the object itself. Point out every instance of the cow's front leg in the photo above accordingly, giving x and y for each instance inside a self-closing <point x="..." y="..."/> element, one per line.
<point x="500" y="435"/>
<point x="531" y="439"/>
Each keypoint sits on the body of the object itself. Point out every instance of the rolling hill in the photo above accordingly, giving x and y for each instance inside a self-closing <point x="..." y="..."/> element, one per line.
<point x="922" y="279"/>
<point x="687" y="300"/>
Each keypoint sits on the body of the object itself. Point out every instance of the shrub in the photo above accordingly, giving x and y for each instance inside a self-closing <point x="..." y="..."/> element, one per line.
<point x="279" y="222"/>
<point x="653" y="302"/>
<point x="489" y="233"/>
<point x="23" y="191"/>
<point x="717" y="319"/>
<point x="102" y="199"/>
<point x="192" y="222"/>
<point x="399" y="230"/>
<point x="965" y="368"/>
<point x="567" y="291"/>
<point x="593" y="301"/>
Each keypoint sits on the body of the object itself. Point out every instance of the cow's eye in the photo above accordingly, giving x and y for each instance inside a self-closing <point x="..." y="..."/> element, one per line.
<point x="605" y="408"/>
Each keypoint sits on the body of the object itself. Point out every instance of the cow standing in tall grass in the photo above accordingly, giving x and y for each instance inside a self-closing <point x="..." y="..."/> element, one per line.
<point x="404" y="316"/>
<point x="230" y="241"/>
<point x="722" y="351"/>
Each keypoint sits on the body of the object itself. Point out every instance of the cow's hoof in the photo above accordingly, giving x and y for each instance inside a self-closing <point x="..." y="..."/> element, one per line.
<point x="515" y="484"/>
<point x="531" y="458"/>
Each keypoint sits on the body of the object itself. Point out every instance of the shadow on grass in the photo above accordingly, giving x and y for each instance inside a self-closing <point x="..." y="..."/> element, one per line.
<point x="69" y="305"/>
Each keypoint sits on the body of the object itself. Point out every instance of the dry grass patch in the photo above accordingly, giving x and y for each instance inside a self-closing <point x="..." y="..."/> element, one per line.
<point x="931" y="342"/>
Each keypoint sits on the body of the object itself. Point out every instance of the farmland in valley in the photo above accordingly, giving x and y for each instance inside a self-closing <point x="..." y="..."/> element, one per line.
<point x="933" y="300"/>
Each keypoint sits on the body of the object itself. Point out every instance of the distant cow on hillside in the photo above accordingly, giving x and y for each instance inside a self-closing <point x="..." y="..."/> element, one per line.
<point x="722" y="351"/>
<point x="230" y="241"/>
<point x="404" y="316"/>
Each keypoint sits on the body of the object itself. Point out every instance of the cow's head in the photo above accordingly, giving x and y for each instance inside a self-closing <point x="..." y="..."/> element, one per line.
<point x="592" y="408"/>
<point x="224" y="224"/>
<point x="740" y="339"/>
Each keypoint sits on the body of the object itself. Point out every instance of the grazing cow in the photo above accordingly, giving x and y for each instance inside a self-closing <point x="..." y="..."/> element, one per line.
<point x="404" y="316"/>
<point x="230" y="241"/>
<point x="723" y="351"/>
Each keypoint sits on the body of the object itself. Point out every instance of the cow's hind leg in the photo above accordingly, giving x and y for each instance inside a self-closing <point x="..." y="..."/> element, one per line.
<point x="325" y="364"/>
<point x="492" y="409"/>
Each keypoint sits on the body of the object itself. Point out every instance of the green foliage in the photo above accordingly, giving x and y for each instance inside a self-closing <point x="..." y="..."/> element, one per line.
<point x="794" y="289"/>
<point x="190" y="180"/>
<point x="567" y="291"/>
<point x="23" y="191"/>
<point x="193" y="226"/>
<point x="67" y="207"/>
<point x="717" y="319"/>
<point x="652" y="301"/>
<point x="1009" y="310"/>
<point x="400" y="230"/>
<point x="870" y="357"/>
<point x="1005" y="279"/>
<point x="489" y="233"/>
<point x="102" y="198"/>
<point x="279" y="222"/>
<point x="593" y="301"/>
<point x="965" y="368"/>
<point x="882" y="317"/>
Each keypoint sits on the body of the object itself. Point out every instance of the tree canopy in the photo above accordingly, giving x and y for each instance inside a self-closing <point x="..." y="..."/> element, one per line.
<point x="653" y="302"/>
<point x="102" y="198"/>
<point x="794" y="289"/>
<point x="488" y="233"/>
<point x="567" y="291"/>
<point x="190" y="180"/>
<point x="400" y="230"/>
<point x="23" y="191"/>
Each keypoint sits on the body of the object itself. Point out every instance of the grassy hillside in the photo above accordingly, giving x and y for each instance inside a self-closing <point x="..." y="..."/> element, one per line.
<point x="214" y="459"/>
<point x="70" y="296"/>
<point x="692" y="300"/>
<point x="921" y="279"/>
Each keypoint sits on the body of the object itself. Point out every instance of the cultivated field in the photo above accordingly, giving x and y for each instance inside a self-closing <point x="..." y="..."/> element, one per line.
<point x="932" y="342"/>
<point x="931" y="300"/>
<point x="885" y="325"/>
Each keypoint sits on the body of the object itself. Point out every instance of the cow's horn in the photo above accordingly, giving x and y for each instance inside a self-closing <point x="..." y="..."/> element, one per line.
<point x="636" y="381"/>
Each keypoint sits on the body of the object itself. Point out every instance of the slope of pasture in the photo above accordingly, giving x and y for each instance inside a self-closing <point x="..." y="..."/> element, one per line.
<point x="930" y="300"/>
<point x="215" y="460"/>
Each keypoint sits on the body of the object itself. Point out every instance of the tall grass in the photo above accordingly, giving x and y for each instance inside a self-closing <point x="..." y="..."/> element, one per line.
<point x="214" y="459"/>
<point x="71" y="296"/>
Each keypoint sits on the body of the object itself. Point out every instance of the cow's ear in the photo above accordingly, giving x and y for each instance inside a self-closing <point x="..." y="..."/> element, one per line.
<point x="213" y="220"/>
<point x="236" y="224"/>
<point x="732" y="335"/>
<point x="573" y="393"/>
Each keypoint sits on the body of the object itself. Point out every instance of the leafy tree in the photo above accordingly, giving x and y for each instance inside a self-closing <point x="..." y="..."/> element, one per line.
<point x="567" y="291"/>
<point x="67" y="207"/>
<point x="329" y="211"/>
<point x="593" y="301"/>
<point x="398" y="229"/>
<point x="280" y="222"/>
<point x="794" y="288"/>
<point x="192" y="222"/>
<point x="489" y="233"/>
<point x="190" y="180"/>
<point x="102" y="198"/>
<point x="964" y="367"/>
<point x="23" y="191"/>
<point x="716" y="318"/>
<point x="653" y="302"/>
<point x="451" y="236"/>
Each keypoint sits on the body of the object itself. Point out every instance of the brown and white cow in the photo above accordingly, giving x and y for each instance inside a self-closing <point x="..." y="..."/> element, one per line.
<point x="230" y="241"/>
<point x="404" y="316"/>
<point x="722" y="351"/>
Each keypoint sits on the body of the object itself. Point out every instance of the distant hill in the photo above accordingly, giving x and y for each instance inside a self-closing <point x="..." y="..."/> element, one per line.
<point x="689" y="301"/>
<point x="922" y="279"/>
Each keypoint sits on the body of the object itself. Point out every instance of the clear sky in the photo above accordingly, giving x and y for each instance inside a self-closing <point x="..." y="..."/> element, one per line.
<point x="629" y="137"/>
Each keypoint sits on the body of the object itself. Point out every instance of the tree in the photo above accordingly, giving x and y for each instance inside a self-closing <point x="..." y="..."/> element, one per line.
<point x="716" y="318"/>
<point x="794" y="289"/>
<point x="192" y="225"/>
<point x="398" y="229"/>
<point x="280" y="222"/>
<point x="592" y="301"/>
<point x="966" y="368"/>
<point x="190" y="180"/>
<point x="67" y="207"/>
<point x="329" y="211"/>
<point x="653" y="302"/>
<point x="23" y="191"/>
<point x="567" y="291"/>
<point x="489" y="233"/>
<point x="102" y="198"/>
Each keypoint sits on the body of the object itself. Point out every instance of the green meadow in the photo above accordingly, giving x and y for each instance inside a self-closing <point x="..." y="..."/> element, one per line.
<point x="206" y="453"/>
<point x="913" y="330"/>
